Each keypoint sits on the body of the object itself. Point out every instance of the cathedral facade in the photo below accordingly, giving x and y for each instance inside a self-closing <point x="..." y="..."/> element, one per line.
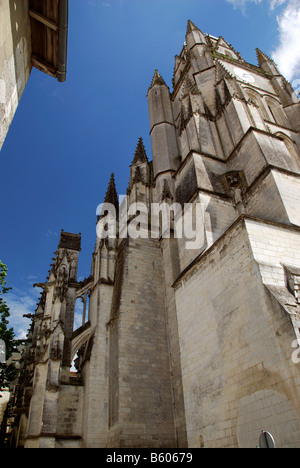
<point x="185" y="341"/>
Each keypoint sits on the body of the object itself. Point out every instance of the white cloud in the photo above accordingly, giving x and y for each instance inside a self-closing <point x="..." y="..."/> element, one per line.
<point x="20" y="303"/>
<point x="276" y="3"/>
<point x="51" y="233"/>
<point x="24" y="302"/>
<point x="287" y="54"/>
<point x="242" y="4"/>
<point x="99" y="4"/>
<point x="31" y="277"/>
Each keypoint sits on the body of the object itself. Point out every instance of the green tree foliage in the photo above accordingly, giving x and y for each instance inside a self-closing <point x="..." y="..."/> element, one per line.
<point x="7" y="372"/>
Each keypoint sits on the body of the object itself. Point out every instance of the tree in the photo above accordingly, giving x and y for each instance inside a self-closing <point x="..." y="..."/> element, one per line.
<point x="7" y="335"/>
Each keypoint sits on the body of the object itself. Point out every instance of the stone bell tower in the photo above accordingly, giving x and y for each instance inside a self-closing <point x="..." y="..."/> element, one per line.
<point x="222" y="109"/>
<point x="227" y="138"/>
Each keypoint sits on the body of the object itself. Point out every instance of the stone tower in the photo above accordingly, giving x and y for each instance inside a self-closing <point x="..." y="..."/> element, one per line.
<point x="188" y="344"/>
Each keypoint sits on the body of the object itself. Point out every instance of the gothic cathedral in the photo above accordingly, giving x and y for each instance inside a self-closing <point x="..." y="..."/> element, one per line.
<point x="183" y="345"/>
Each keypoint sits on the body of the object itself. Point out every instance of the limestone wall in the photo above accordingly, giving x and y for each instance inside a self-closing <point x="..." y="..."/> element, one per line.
<point x="238" y="375"/>
<point x="69" y="418"/>
<point x="141" y="412"/>
<point x="95" y="427"/>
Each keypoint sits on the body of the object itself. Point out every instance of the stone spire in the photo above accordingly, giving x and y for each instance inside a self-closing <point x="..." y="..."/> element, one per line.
<point x="194" y="35"/>
<point x="282" y="86"/>
<point x="262" y="57"/>
<point x="140" y="155"/>
<point x="111" y="194"/>
<point x="267" y="64"/>
<point x="157" y="80"/>
<point x="191" y="27"/>
<point x="162" y="126"/>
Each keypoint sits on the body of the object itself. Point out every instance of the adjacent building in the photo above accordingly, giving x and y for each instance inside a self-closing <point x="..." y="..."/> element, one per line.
<point x="32" y="33"/>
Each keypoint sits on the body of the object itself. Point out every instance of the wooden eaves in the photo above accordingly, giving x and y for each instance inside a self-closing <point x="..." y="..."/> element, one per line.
<point x="49" y="36"/>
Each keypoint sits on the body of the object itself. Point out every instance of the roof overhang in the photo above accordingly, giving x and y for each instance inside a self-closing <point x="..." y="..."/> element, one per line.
<point x="49" y="36"/>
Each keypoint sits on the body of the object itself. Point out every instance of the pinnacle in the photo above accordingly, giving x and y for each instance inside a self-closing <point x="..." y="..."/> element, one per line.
<point x="140" y="153"/>
<point x="157" y="79"/>
<point x="111" y="194"/>
<point x="190" y="27"/>
<point x="262" y="57"/>
<point x="166" y="192"/>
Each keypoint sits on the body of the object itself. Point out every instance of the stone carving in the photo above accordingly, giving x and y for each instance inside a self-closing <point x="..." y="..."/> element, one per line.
<point x="166" y="192"/>
<point x="73" y="266"/>
<point x="56" y="353"/>
<point x="293" y="281"/>
<point x="235" y="186"/>
<point x="42" y="339"/>
<point x="62" y="283"/>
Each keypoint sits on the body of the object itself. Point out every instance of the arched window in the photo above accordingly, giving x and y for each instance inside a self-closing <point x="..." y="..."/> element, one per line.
<point x="79" y="347"/>
<point x="81" y="315"/>
<point x="276" y="112"/>
<point x="290" y="145"/>
<point x="257" y="110"/>
<point x="258" y="102"/>
<point x="78" y="313"/>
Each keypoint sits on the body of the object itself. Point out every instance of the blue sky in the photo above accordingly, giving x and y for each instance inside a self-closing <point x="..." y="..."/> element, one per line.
<point x="66" y="139"/>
